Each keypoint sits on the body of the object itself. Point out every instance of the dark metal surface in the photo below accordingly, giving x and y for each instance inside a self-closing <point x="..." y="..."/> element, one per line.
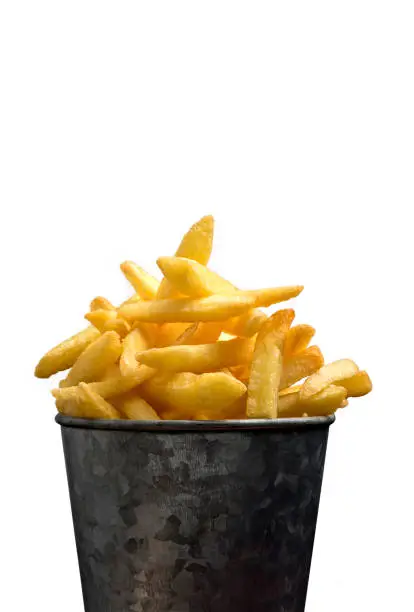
<point x="195" y="516"/>
<point x="126" y="425"/>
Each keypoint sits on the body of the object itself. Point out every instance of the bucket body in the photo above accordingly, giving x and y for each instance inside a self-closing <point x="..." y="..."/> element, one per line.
<point x="194" y="516"/>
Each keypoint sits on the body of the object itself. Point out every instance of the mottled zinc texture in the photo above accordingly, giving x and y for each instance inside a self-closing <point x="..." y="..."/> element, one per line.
<point x="195" y="521"/>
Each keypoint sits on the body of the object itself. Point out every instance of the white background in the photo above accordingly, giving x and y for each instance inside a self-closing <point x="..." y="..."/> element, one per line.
<point x="292" y="122"/>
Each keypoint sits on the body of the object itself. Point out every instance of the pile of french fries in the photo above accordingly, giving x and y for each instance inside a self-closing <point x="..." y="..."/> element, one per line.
<point x="193" y="346"/>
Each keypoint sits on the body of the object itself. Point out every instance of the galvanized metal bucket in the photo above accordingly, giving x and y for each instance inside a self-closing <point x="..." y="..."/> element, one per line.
<point x="195" y="516"/>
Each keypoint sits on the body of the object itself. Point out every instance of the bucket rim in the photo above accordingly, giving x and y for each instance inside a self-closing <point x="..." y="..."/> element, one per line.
<point x="290" y="424"/>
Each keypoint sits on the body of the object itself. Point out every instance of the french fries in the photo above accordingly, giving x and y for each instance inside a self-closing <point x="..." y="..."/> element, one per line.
<point x="145" y="285"/>
<point x="137" y="409"/>
<point x="186" y="394"/>
<point x="321" y="404"/>
<point x="301" y="365"/>
<point x="357" y="385"/>
<point x="101" y="303"/>
<point x="89" y="366"/>
<point x="194" y="346"/>
<point x="266" y="367"/>
<point x="246" y="325"/>
<point x="201" y="333"/>
<point x="337" y="371"/>
<point x="192" y="278"/>
<point x="213" y="308"/>
<point x="64" y="355"/>
<point x="199" y="358"/>
<point x="109" y="387"/>
<point x="196" y="244"/>
<point x="297" y="339"/>
<point x="135" y="342"/>
<point x="94" y="406"/>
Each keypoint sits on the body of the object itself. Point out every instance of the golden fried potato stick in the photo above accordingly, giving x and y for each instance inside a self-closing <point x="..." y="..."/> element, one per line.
<point x="196" y="244"/>
<point x="357" y="385"/>
<point x="100" y="317"/>
<point x="108" y="320"/>
<point x="109" y="387"/>
<point x="301" y="365"/>
<point x="144" y="284"/>
<point x="326" y="375"/>
<point x="199" y="358"/>
<point x="192" y="278"/>
<point x="64" y="355"/>
<point x="272" y="295"/>
<point x="297" y="339"/>
<point x="95" y="359"/>
<point x="185" y="395"/>
<point x="246" y="325"/>
<point x="100" y="302"/>
<point x="135" y="342"/>
<point x="93" y="406"/>
<point x="137" y="409"/>
<point x="321" y="404"/>
<point x="266" y="367"/>
<point x="213" y="308"/>
<point x="201" y="333"/>
<point x="196" y="281"/>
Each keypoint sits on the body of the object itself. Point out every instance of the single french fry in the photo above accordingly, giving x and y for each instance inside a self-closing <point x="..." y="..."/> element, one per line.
<point x="64" y="355"/>
<point x="199" y="358"/>
<point x="193" y="279"/>
<point x="279" y="323"/>
<point x="213" y="308"/>
<point x="264" y="379"/>
<point x="196" y="244"/>
<point x="94" y="360"/>
<point x="135" y="342"/>
<point x="301" y="365"/>
<point x="266" y="367"/>
<point x="326" y="375"/>
<point x="357" y="385"/>
<point x="297" y="339"/>
<point x="100" y="302"/>
<point x="100" y="317"/>
<point x="109" y="387"/>
<point x="321" y="404"/>
<point x="272" y="295"/>
<point x="186" y="394"/>
<point x="93" y="406"/>
<point x="137" y="409"/>
<point x="247" y="324"/>
<point x="144" y="284"/>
